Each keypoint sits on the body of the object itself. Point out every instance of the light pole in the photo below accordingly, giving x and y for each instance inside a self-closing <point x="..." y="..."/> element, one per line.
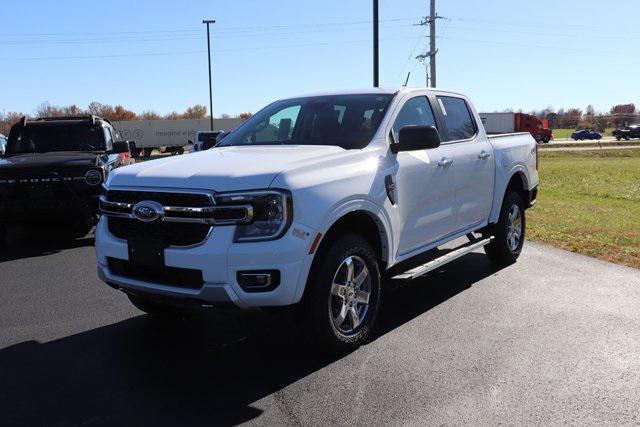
<point x="209" y="21"/>
<point x="376" y="81"/>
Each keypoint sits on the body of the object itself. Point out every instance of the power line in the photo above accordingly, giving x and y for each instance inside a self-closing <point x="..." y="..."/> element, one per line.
<point x="424" y="30"/>
<point x="287" y="46"/>
<point x="222" y="30"/>
<point x="164" y="38"/>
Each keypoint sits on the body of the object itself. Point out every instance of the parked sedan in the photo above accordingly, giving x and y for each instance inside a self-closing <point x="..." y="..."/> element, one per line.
<point x="585" y="134"/>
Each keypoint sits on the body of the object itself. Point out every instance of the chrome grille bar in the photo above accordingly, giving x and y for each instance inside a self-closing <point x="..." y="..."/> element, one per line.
<point x="173" y="213"/>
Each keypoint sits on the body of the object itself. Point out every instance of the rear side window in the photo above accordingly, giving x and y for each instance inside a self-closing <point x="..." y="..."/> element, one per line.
<point x="457" y="117"/>
<point x="416" y="111"/>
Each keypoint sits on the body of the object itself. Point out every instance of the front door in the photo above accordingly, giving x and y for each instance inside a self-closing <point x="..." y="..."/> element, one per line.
<point x="425" y="184"/>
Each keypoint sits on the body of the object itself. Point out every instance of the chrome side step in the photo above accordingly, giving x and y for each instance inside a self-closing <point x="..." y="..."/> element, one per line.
<point x="444" y="259"/>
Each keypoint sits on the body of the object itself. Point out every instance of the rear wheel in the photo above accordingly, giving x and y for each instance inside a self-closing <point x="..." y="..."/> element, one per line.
<point x="344" y="295"/>
<point x="147" y="152"/>
<point x="508" y="232"/>
<point x="546" y="139"/>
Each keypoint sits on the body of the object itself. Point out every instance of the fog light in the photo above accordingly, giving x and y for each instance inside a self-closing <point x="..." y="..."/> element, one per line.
<point x="258" y="280"/>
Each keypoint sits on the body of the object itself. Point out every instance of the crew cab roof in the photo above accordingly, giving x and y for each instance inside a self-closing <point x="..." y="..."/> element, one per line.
<point x="54" y="121"/>
<point x="374" y="90"/>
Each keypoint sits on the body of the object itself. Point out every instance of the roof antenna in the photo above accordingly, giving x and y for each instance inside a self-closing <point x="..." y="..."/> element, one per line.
<point x="407" y="80"/>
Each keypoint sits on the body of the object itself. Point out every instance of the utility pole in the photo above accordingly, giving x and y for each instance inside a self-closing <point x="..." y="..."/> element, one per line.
<point x="376" y="81"/>
<point x="209" y="21"/>
<point x="431" y="22"/>
<point x="432" y="42"/>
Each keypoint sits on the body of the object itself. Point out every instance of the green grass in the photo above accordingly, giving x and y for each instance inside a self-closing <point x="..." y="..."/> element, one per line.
<point x="589" y="202"/>
<point x="566" y="133"/>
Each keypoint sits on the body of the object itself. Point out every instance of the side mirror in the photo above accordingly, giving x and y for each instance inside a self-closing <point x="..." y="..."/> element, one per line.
<point x="121" y="147"/>
<point x="222" y="135"/>
<point x="412" y="138"/>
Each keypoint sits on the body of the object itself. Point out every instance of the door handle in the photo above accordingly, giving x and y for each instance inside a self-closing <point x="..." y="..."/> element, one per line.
<point x="444" y="162"/>
<point x="483" y="155"/>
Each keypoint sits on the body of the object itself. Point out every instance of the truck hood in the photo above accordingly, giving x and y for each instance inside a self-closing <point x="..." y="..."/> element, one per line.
<point x="49" y="160"/>
<point x="222" y="169"/>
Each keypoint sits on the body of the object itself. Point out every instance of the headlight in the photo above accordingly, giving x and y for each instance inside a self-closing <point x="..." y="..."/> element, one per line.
<point x="93" y="177"/>
<point x="272" y="212"/>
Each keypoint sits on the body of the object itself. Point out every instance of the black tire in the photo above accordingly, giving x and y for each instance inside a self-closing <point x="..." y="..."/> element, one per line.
<point x="153" y="308"/>
<point x="147" y="152"/>
<point x="546" y="139"/>
<point x="502" y="250"/>
<point x="618" y="138"/>
<point x="324" y="306"/>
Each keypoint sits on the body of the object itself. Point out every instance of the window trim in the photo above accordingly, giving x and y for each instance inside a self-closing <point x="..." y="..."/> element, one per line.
<point x="444" y="123"/>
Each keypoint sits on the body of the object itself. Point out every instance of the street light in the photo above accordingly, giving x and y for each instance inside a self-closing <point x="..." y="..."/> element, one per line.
<point x="376" y="81"/>
<point x="209" y="21"/>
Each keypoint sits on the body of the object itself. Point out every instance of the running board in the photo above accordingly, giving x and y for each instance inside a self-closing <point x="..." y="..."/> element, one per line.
<point x="444" y="259"/>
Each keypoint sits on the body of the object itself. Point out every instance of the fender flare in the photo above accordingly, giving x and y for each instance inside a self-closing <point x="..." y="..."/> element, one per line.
<point x="332" y="215"/>
<point x="517" y="169"/>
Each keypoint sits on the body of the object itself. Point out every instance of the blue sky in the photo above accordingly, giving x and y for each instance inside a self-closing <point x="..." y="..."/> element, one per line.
<point x="152" y="54"/>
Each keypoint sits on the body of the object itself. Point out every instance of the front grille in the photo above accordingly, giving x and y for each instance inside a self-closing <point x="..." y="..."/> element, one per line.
<point x="172" y="276"/>
<point x="166" y="199"/>
<point x="170" y="233"/>
<point x="35" y="184"/>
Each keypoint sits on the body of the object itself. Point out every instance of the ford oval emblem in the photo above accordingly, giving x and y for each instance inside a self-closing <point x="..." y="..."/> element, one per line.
<point x="147" y="211"/>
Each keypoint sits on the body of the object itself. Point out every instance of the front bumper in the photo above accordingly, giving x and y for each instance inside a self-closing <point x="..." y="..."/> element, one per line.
<point x="56" y="208"/>
<point x="219" y="259"/>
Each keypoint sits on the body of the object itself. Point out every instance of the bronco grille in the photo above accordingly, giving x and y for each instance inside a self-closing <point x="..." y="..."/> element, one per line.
<point x="170" y="233"/>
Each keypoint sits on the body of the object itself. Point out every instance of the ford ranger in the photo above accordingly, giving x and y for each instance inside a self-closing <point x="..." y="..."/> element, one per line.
<point x="316" y="201"/>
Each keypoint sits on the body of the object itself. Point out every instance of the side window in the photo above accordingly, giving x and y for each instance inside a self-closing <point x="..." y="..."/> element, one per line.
<point x="108" y="139"/>
<point x="416" y="111"/>
<point x="457" y="117"/>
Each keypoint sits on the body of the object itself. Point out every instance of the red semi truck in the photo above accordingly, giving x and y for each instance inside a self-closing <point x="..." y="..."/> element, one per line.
<point x="495" y="123"/>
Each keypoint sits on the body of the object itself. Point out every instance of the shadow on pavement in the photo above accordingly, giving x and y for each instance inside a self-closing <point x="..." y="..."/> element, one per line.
<point x="19" y="242"/>
<point x="208" y="369"/>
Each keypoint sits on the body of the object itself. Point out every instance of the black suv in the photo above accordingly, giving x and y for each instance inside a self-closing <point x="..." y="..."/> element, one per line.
<point x="53" y="169"/>
<point x="627" y="133"/>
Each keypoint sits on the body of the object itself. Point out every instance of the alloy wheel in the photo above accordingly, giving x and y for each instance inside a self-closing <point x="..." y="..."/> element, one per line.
<point x="514" y="228"/>
<point x="350" y="292"/>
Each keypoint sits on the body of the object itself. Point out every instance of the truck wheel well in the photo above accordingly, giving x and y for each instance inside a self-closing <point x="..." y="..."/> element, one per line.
<point x="517" y="184"/>
<point x="364" y="224"/>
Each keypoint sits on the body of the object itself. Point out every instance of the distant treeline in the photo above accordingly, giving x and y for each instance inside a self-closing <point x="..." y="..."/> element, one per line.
<point x="111" y="112"/>
<point x="571" y="118"/>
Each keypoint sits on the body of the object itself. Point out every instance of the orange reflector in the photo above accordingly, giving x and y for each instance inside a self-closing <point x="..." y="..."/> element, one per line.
<point x="314" y="244"/>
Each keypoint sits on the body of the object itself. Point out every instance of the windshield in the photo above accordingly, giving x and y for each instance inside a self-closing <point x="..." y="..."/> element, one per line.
<point x="348" y="121"/>
<point x="58" y="137"/>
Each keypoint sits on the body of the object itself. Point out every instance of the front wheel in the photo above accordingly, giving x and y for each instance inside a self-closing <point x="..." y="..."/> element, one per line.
<point x="508" y="232"/>
<point x="546" y="139"/>
<point x="344" y="295"/>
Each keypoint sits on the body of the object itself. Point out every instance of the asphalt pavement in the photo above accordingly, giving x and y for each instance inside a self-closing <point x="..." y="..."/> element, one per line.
<point x="552" y="339"/>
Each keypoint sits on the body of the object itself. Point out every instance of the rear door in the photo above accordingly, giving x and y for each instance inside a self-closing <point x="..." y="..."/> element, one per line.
<point x="425" y="184"/>
<point x="473" y="162"/>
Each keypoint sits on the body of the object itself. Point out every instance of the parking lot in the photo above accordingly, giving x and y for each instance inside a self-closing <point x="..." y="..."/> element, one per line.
<point x="552" y="339"/>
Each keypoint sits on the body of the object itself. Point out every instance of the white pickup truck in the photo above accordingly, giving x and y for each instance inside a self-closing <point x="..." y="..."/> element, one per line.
<point x="314" y="201"/>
